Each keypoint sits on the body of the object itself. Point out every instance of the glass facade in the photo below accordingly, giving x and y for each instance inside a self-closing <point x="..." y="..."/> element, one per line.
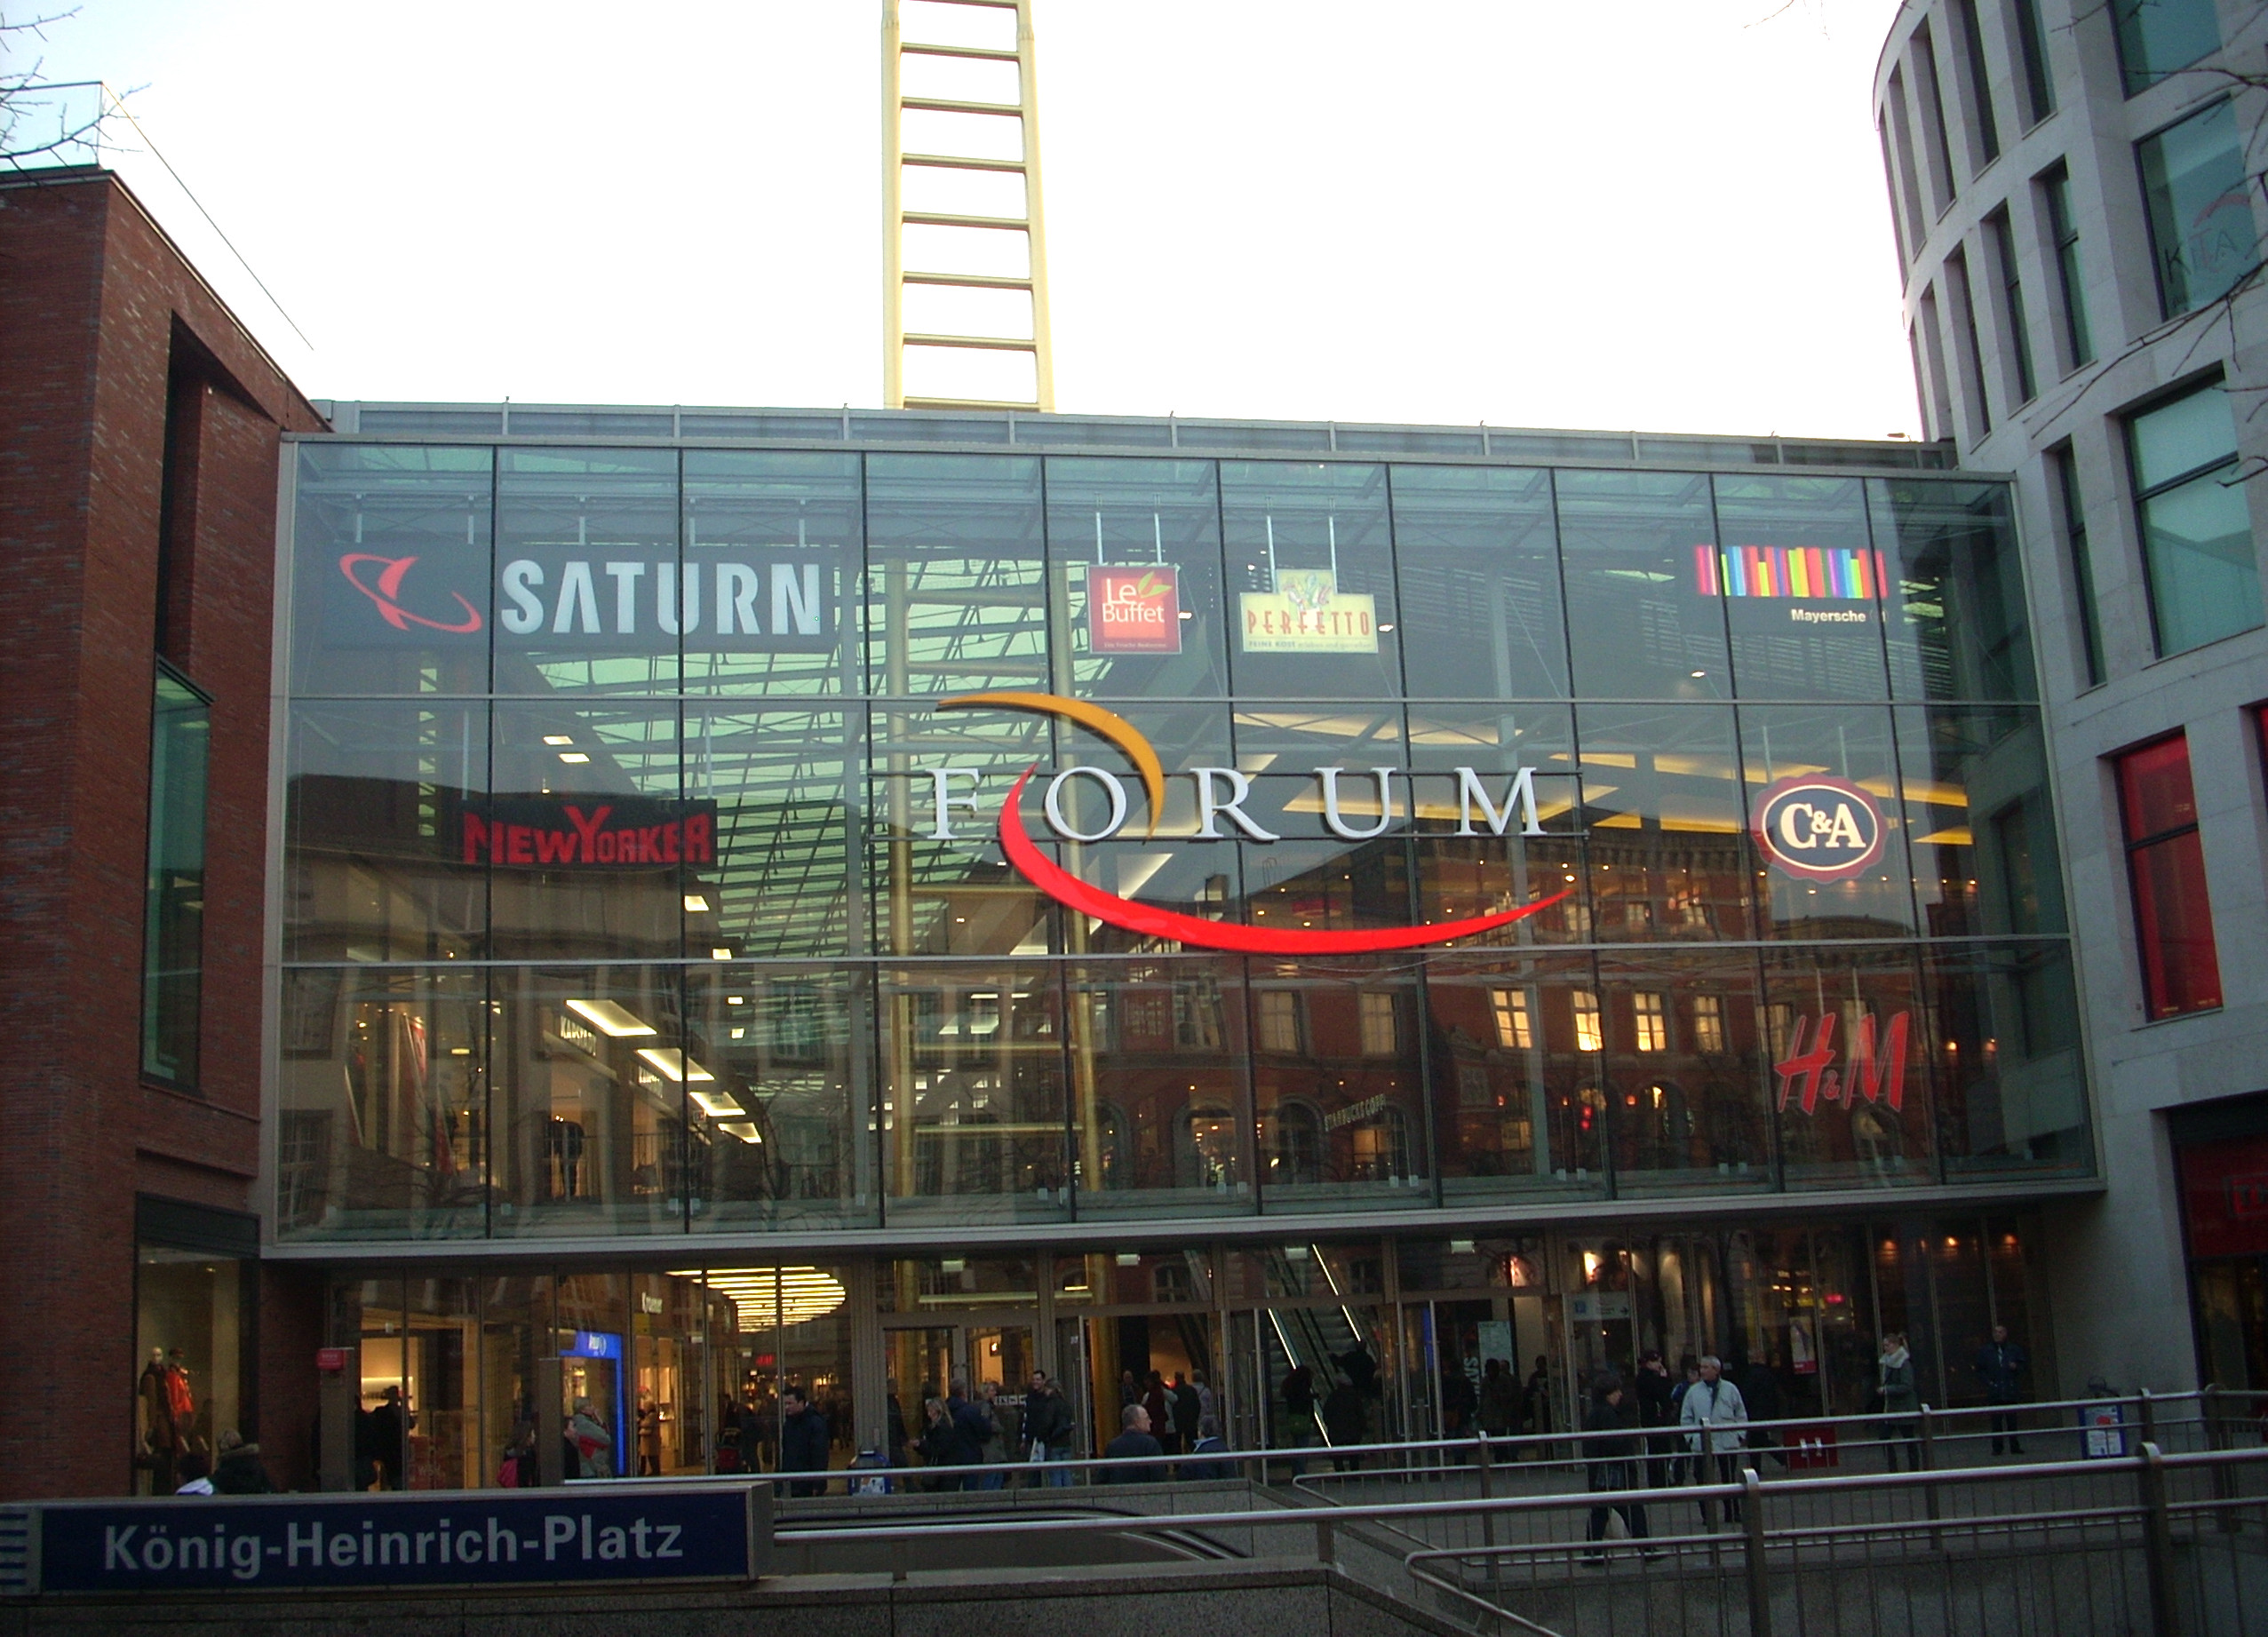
<point x="2193" y="183"/>
<point x="647" y="869"/>
<point x="2196" y="522"/>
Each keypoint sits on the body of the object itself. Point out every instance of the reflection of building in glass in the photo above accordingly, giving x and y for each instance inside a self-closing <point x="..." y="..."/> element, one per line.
<point x="641" y="890"/>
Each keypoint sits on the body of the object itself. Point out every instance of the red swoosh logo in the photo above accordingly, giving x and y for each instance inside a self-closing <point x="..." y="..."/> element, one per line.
<point x="386" y="594"/>
<point x="1109" y="907"/>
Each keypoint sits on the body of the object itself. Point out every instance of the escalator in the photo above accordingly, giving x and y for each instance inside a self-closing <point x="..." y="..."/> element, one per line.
<point x="1319" y="1338"/>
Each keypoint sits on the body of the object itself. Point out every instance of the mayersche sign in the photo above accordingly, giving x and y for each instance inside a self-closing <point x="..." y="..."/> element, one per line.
<point x="709" y="1531"/>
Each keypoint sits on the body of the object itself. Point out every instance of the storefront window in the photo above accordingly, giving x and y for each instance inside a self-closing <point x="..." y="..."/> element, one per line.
<point x="194" y="1339"/>
<point x="1954" y="590"/>
<point x="1685" y="1102"/>
<point x="1479" y="569"/>
<point x="1849" y="1068"/>
<point x="1134" y="553"/>
<point x="1337" y="1126"/>
<point x="1666" y="817"/>
<point x="956" y="583"/>
<point x="1310" y="572"/>
<point x="1645" y="619"/>
<point x="1802" y="589"/>
<point x="775" y="538"/>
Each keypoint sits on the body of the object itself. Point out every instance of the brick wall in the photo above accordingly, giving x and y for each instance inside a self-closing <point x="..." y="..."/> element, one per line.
<point x="101" y="323"/>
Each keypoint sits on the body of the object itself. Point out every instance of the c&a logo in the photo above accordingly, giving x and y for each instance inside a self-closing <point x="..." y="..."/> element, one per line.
<point x="385" y="591"/>
<point x="1818" y="828"/>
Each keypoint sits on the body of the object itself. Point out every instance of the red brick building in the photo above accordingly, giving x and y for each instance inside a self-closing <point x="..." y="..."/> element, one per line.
<point x="139" y="425"/>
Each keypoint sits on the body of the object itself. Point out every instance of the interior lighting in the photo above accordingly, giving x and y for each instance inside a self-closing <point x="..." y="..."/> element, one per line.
<point x="720" y="953"/>
<point x="763" y="1296"/>
<point x="696" y="903"/>
<point x="556" y="739"/>
<point x="674" y="1064"/>
<point x="573" y="755"/>
<point x="735" y="1000"/>
<point x="1128" y="1258"/>
<point x="1461" y="1247"/>
<point x="718" y="1105"/>
<point x="609" y="1018"/>
<point x="746" y="1130"/>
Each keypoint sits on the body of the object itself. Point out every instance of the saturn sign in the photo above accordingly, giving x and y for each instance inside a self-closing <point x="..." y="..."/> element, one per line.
<point x="1818" y="828"/>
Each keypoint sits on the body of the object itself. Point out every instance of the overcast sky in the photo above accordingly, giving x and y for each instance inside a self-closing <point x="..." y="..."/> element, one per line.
<point x="1665" y="214"/>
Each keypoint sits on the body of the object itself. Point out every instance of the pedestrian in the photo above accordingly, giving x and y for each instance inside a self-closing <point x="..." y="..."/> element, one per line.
<point x="1047" y="1428"/>
<point x="1208" y="1442"/>
<point x="2000" y="1364"/>
<point x="1298" y="1394"/>
<point x="1688" y="1377"/>
<point x="1346" y="1422"/>
<point x="992" y="1444"/>
<point x="1158" y="1399"/>
<point x="1609" y="1455"/>
<point x="940" y="1446"/>
<point x="594" y="1444"/>
<point x="1132" y="1442"/>
<point x="1500" y="1399"/>
<point x="973" y="1424"/>
<point x="804" y="1441"/>
<point x="1713" y="1415"/>
<point x="388" y="1428"/>
<point x="1536" y="1399"/>
<point x="516" y="1468"/>
<point x="1657" y="1396"/>
<point x="1187" y="1412"/>
<point x="194" y="1475"/>
<point x="1206" y="1403"/>
<point x="1760" y="1391"/>
<point x="1361" y="1367"/>
<point x="1129" y="1389"/>
<point x="238" y="1471"/>
<point x="1900" y="1398"/>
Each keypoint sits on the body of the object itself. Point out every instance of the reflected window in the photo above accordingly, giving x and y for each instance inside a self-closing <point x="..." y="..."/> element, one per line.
<point x="1709" y="1024"/>
<point x="1382" y="1033"/>
<point x="2199" y="201"/>
<point x="1649" y="1022"/>
<point x="1279" y="1021"/>
<point x="2156" y="37"/>
<point x="1590" y="1034"/>
<point x="1515" y="1024"/>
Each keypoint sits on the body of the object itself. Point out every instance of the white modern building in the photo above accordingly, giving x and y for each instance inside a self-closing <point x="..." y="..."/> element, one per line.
<point x="2076" y="189"/>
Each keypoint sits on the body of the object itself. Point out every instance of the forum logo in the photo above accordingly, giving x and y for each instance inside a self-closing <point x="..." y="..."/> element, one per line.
<point x="1220" y="795"/>
<point x="1818" y="828"/>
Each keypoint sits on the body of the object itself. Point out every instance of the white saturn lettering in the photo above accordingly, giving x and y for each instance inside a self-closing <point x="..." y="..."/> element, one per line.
<point x="1223" y="792"/>
<point x="572" y="606"/>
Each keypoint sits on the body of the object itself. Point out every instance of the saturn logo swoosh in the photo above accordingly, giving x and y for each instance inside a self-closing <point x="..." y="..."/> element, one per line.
<point x="1149" y="919"/>
<point x="386" y="594"/>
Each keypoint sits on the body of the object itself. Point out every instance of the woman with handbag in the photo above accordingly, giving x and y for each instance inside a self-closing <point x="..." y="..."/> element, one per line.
<point x="1610" y="1451"/>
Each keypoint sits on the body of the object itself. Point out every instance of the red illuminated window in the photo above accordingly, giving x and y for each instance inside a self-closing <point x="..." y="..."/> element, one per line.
<point x="2173" y="921"/>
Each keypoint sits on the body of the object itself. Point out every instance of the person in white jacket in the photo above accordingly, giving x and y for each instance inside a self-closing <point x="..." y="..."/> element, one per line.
<point x="1713" y="1415"/>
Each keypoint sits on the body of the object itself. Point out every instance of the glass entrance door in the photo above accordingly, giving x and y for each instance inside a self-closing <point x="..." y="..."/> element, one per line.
<point x="922" y="1362"/>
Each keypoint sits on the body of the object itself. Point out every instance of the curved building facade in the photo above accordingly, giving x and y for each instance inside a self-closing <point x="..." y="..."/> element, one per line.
<point x="2076" y="190"/>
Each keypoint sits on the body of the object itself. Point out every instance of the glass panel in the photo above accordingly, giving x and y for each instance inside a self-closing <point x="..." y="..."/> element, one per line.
<point x="973" y="1115"/>
<point x="1956" y="620"/>
<point x="1465" y="867"/>
<point x="591" y="597"/>
<point x="441" y="1385"/>
<point x="2154" y="789"/>
<point x="2157" y="36"/>
<point x="1802" y="586"/>
<point x="2204" y="575"/>
<point x="1135" y="547"/>
<point x="956" y="583"/>
<point x="780" y="882"/>
<point x="1981" y="824"/>
<point x="1664" y="811"/>
<point x="590" y="852"/>
<point x="775" y="541"/>
<point x="191" y="1328"/>
<point x="938" y="1283"/>
<point x="374" y="814"/>
<point x="1311" y="569"/>
<point x="1846" y="1337"/>
<point x="1685" y="1072"/>
<point x="1480" y="577"/>
<point x="2184" y="436"/>
<point x="1516" y="1097"/>
<point x="1161" y="1112"/>
<point x="1826" y="827"/>
<point x="181" y="741"/>
<point x="1774" y="1315"/>
<point x="591" y="1077"/>
<point x="1851" y="1047"/>
<point x="2011" y="1081"/>
<point x="390" y="578"/>
<point x="2180" y="968"/>
<point x="591" y="1312"/>
<point x="2200" y="214"/>
<point x="516" y="1328"/>
<point x="1644" y="619"/>
<point x="1340" y="1115"/>
<point x="382" y="1116"/>
<point x="778" y="1137"/>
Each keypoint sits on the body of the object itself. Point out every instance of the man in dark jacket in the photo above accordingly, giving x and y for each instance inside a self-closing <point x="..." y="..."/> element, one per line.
<point x="2000" y="1364"/>
<point x="1047" y="1428"/>
<point x="1134" y="1441"/>
<point x="1657" y="1410"/>
<point x="238" y="1471"/>
<point x="1608" y="1454"/>
<point x="803" y="1441"/>
<point x="1347" y="1420"/>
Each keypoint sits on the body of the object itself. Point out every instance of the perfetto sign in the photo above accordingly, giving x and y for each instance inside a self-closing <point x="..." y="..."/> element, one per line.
<point x="484" y="1537"/>
<point x="1307" y="613"/>
<point x="1220" y="795"/>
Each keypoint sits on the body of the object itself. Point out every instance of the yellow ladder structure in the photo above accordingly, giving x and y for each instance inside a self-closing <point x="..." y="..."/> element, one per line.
<point x="985" y="145"/>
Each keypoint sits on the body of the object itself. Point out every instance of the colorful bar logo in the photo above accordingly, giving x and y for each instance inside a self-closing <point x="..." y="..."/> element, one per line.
<point x="1823" y="573"/>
